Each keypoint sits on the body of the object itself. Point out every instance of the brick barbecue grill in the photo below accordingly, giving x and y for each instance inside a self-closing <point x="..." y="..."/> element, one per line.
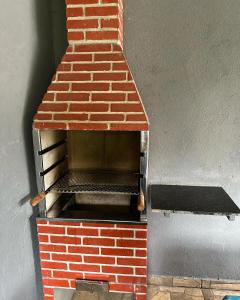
<point x="90" y="138"/>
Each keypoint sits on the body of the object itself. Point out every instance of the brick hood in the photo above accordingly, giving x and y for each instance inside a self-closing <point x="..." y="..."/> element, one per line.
<point x="93" y="88"/>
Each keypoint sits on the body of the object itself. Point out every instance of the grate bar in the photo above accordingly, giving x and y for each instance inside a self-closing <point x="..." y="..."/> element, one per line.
<point x="76" y="181"/>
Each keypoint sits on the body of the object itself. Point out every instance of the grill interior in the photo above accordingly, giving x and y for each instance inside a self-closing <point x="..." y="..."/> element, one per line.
<point x="104" y="167"/>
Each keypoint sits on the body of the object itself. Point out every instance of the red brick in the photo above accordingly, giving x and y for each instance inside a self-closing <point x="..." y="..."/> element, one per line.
<point x="101" y="35"/>
<point x="48" y="97"/>
<point x="65" y="240"/>
<point x="73" y="36"/>
<point x="136" y="117"/>
<point x="72" y="97"/>
<point x="39" y="221"/>
<point x="132" y="243"/>
<point x="67" y="257"/>
<point x="67" y="275"/>
<point x="97" y="225"/>
<point x="117" y="233"/>
<point x="87" y="126"/>
<point x="132" y="226"/>
<point x="110" y="1"/>
<point x="101" y="11"/>
<point x="43" y="238"/>
<point x="48" y="298"/>
<point x="83" y="250"/>
<point x="93" y="86"/>
<point x="73" y="284"/>
<point x="132" y="261"/>
<point x="49" y="125"/>
<point x="93" y="48"/>
<point x="82" y="231"/>
<point x="126" y="86"/>
<point x="64" y="223"/>
<point x="107" y="117"/>
<point x="100" y="277"/>
<point x="141" y="253"/>
<point x="121" y="287"/>
<point x="117" y="270"/>
<point x="109" y="76"/>
<point x="129" y="127"/>
<point x="74" y="12"/>
<point x="133" y="97"/>
<point x="51" y="230"/>
<point x="45" y="256"/>
<point x="126" y="107"/>
<point x="48" y="291"/>
<point x="52" y="248"/>
<point x="77" y="57"/>
<point x="99" y="241"/>
<point x="110" y="23"/>
<point x="55" y="282"/>
<point x="69" y="49"/>
<point x="79" y="117"/>
<point x="59" y="87"/>
<point x="141" y="271"/>
<point x="52" y="107"/>
<point x="141" y="234"/>
<point x="43" y="117"/>
<point x="53" y="265"/>
<point x="117" y="252"/>
<point x="117" y="48"/>
<point x="92" y="107"/>
<point x="109" y="57"/>
<point x="64" y="67"/>
<point x="92" y="67"/>
<point x="74" y="24"/>
<point x="99" y="260"/>
<point x="46" y="273"/>
<point x="84" y="268"/>
<point x="74" y="77"/>
<point x="130" y="78"/>
<point x="132" y="279"/>
<point x="120" y="67"/>
<point x="109" y="97"/>
<point x="141" y="289"/>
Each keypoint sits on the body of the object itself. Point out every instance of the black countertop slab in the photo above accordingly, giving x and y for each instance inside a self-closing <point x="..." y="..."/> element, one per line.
<point x="204" y="200"/>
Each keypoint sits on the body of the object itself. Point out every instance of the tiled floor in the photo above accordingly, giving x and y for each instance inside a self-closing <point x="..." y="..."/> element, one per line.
<point x="170" y="288"/>
<point x="182" y="294"/>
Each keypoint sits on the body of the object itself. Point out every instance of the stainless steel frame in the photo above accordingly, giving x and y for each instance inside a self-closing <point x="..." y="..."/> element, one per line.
<point x="39" y="168"/>
<point x="144" y="171"/>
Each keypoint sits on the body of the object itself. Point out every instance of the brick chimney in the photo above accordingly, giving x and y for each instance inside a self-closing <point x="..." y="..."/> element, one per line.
<point x="94" y="21"/>
<point x="93" y="88"/>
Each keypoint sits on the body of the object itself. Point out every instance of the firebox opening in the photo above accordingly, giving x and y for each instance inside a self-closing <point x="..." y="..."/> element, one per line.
<point x="91" y="174"/>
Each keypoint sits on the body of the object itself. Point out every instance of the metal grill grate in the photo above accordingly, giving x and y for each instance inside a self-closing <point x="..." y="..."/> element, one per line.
<point x="76" y="181"/>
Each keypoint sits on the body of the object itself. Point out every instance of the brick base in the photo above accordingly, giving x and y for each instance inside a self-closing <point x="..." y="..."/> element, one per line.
<point x="116" y="253"/>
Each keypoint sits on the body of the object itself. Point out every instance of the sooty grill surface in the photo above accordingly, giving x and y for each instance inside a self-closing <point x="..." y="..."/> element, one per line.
<point x="76" y="181"/>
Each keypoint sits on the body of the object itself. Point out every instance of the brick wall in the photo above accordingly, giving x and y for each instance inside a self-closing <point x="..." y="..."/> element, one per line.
<point x="95" y="21"/>
<point x="93" y="89"/>
<point x="111" y="252"/>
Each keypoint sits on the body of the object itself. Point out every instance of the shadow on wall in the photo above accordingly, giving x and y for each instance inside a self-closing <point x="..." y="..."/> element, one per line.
<point x="42" y="70"/>
<point x="50" y="19"/>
